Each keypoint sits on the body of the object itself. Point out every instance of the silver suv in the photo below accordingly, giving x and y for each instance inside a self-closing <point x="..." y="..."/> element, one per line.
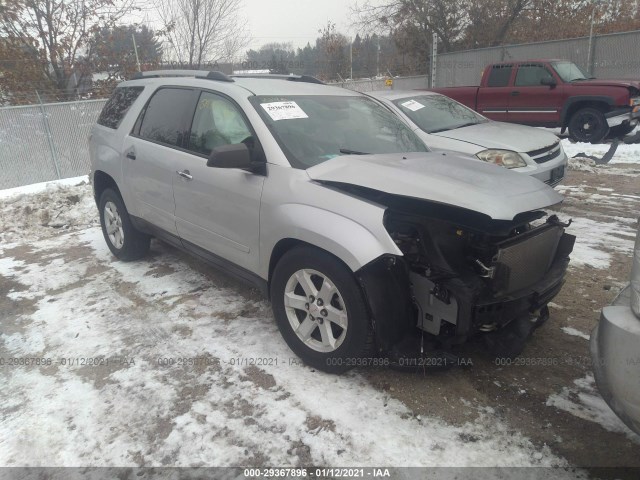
<point x="369" y="246"/>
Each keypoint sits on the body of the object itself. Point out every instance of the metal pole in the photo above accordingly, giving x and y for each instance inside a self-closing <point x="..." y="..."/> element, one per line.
<point x="351" y="60"/>
<point x="589" y="51"/>
<point x="434" y="59"/>
<point x="47" y="129"/>
<point x="135" y="49"/>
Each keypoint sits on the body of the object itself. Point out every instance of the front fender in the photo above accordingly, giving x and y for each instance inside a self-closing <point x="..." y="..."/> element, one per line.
<point x="355" y="243"/>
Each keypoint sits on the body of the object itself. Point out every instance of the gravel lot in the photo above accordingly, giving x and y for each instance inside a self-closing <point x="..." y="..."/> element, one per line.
<point x="168" y="362"/>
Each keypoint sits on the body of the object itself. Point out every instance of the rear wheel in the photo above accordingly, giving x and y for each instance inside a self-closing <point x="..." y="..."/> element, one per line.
<point x="588" y="125"/>
<point x="122" y="238"/>
<point x="320" y="310"/>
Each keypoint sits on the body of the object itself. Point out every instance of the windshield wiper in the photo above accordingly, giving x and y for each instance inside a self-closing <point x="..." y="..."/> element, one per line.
<point x="346" y="151"/>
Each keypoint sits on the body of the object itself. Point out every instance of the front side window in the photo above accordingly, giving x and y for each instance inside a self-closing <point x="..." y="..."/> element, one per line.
<point x="499" y="76"/>
<point x="532" y="75"/>
<point x="437" y="113"/>
<point x="118" y="105"/>
<point x="165" y="118"/>
<point x="313" y="129"/>
<point x="217" y="122"/>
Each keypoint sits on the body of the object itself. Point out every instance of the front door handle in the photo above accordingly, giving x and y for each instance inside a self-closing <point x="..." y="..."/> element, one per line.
<point x="515" y="93"/>
<point x="131" y="155"/>
<point x="185" y="174"/>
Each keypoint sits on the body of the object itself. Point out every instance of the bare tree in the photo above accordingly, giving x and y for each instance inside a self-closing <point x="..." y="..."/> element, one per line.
<point x="203" y="31"/>
<point x="59" y="32"/>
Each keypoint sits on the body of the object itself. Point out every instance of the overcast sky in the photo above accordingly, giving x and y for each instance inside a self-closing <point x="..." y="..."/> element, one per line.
<point x="295" y="21"/>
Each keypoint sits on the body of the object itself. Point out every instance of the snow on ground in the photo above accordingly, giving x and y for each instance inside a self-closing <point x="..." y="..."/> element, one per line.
<point x="155" y="363"/>
<point x="44" y="209"/>
<point x="595" y="240"/>
<point x="576" y="333"/>
<point x="584" y="401"/>
<point x="624" y="153"/>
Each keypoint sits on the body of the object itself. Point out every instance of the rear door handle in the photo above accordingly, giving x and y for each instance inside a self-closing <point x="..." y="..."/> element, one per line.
<point x="515" y="93"/>
<point x="131" y="155"/>
<point x="185" y="174"/>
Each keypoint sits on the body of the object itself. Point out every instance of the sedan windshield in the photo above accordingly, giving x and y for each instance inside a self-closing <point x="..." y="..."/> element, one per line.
<point x="313" y="129"/>
<point x="569" y="71"/>
<point x="437" y="113"/>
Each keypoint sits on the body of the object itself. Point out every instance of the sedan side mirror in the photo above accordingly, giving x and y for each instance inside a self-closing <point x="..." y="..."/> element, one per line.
<point x="551" y="82"/>
<point x="236" y="155"/>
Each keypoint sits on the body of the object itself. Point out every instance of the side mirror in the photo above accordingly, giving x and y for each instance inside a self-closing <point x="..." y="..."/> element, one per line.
<point x="230" y="156"/>
<point x="550" y="81"/>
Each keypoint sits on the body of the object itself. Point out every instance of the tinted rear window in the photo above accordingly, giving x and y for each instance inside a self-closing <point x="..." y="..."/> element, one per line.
<point x="118" y="105"/>
<point x="499" y="76"/>
<point x="165" y="116"/>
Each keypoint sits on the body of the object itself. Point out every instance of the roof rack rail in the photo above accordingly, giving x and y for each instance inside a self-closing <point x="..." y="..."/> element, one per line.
<point x="276" y="76"/>
<point x="209" y="75"/>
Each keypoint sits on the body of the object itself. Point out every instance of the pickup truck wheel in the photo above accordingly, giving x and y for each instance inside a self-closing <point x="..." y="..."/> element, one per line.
<point x="588" y="125"/>
<point x="320" y="310"/>
<point x="124" y="241"/>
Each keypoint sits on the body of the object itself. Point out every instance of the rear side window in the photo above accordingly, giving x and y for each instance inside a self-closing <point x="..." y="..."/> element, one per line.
<point x="165" y="116"/>
<point x="118" y="105"/>
<point x="499" y="76"/>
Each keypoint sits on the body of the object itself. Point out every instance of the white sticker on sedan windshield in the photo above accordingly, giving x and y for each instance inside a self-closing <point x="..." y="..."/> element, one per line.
<point x="284" y="110"/>
<point x="412" y="105"/>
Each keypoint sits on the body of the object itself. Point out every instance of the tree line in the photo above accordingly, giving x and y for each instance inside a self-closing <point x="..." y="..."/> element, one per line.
<point x="67" y="49"/>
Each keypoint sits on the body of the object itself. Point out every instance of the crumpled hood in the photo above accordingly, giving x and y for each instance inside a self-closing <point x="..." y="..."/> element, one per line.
<point x="506" y="136"/>
<point x="446" y="178"/>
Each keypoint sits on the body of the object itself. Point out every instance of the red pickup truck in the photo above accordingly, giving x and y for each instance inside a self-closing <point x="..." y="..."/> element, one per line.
<point x="553" y="93"/>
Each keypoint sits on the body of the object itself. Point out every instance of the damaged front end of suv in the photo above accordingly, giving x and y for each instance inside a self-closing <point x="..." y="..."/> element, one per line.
<point x="490" y="271"/>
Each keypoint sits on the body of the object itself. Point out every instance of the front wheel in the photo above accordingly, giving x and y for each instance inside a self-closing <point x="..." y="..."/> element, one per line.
<point x="588" y="125"/>
<point x="122" y="238"/>
<point x="320" y="310"/>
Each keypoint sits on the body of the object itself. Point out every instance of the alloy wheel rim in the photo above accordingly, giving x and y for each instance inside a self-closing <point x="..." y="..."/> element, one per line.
<point x="113" y="225"/>
<point x="315" y="310"/>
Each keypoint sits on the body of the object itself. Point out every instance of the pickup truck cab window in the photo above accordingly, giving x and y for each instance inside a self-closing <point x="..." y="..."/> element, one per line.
<point x="532" y="75"/>
<point x="499" y="75"/>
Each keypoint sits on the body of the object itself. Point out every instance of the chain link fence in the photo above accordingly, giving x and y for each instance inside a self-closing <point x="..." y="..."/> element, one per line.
<point x="612" y="56"/>
<point x="45" y="142"/>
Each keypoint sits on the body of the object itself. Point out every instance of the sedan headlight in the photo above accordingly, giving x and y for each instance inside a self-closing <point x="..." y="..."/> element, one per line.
<point x="635" y="276"/>
<point x="503" y="158"/>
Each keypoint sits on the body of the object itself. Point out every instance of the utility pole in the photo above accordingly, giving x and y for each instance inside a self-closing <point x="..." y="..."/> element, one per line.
<point x="351" y="59"/>
<point x="135" y="49"/>
<point x="378" y="57"/>
<point x="434" y="59"/>
<point x="590" y="49"/>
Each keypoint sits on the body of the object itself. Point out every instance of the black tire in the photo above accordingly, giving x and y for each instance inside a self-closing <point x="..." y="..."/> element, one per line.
<point x="588" y="125"/>
<point x="135" y="244"/>
<point x="620" y="131"/>
<point x="358" y="339"/>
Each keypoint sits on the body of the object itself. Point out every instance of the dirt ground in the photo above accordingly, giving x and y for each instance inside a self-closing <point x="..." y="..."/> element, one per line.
<point x="546" y="395"/>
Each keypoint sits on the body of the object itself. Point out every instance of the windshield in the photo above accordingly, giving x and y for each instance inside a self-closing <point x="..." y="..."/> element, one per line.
<point x="569" y="71"/>
<point x="316" y="128"/>
<point x="437" y="113"/>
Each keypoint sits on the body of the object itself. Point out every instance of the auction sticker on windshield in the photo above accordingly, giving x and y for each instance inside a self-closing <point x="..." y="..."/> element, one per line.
<point x="284" y="110"/>
<point x="413" y="105"/>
